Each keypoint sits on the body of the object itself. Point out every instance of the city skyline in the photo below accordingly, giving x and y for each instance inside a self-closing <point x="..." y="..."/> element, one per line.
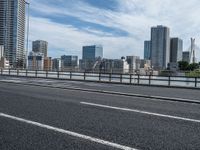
<point x="121" y="27"/>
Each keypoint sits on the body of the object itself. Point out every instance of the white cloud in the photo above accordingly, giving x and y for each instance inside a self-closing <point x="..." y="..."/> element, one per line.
<point x="134" y="16"/>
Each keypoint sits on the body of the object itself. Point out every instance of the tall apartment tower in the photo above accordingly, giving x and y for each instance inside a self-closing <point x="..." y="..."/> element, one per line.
<point x="12" y="31"/>
<point x="40" y="46"/>
<point x="147" y="50"/>
<point x="176" y="50"/>
<point x="160" y="47"/>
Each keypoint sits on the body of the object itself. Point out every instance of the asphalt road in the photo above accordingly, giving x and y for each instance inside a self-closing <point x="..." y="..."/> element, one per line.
<point x="146" y="90"/>
<point x="44" y="118"/>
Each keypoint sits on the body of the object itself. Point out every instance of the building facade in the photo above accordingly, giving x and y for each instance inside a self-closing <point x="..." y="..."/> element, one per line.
<point x="92" y="52"/>
<point x="119" y="66"/>
<point x="40" y="46"/>
<point x="69" y="62"/>
<point x="56" y="64"/>
<point x="160" y="47"/>
<point x="1" y="51"/>
<point x="134" y="63"/>
<point x="176" y="50"/>
<point x="147" y="50"/>
<point x="92" y="56"/>
<point x="12" y="31"/>
<point x="186" y="56"/>
<point x="47" y="64"/>
<point x="36" y="61"/>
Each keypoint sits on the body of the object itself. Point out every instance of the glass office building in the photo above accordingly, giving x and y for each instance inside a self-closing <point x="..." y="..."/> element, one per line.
<point x="92" y="52"/>
<point x="69" y="62"/>
<point x="147" y="50"/>
<point x="12" y="30"/>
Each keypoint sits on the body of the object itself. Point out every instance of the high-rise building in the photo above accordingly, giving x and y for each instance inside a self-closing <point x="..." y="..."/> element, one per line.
<point x="176" y="50"/>
<point x="160" y="47"/>
<point x="40" y="46"/>
<point x="186" y="56"/>
<point x="147" y="50"/>
<point x="12" y="30"/>
<point x="92" y="52"/>
<point x="1" y="51"/>
<point x="69" y="62"/>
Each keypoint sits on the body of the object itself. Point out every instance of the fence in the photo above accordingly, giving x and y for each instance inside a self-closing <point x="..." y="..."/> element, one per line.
<point x="173" y="81"/>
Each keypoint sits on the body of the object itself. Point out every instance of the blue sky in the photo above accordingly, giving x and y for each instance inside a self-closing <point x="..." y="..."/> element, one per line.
<point x="120" y="26"/>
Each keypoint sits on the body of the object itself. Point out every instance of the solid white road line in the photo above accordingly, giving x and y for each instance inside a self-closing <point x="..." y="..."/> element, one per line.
<point x="70" y="133"/>
<point x="141" y="112"/>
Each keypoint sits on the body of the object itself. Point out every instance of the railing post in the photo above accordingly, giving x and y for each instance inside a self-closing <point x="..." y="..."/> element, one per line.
<point x="99" y="76"/>
<point x="138" y="79"/>
<point x="17" y="72"/>
<point x="9" y="72"/>
<point x="26" y="72"/>
<point x="1" y="71"/>
<point x="46" y="73"/>
<point x="58" y="74"/>
<point x="149" y="79"/>
<point x="36" y="73"/>
<point x="110" y="75"/>
<point x="120" y="78"/>
<point x="70" y="75"/>
<point x="84" y="76"/>
<point x="195" y="81"/>
<point x="130" y="78"/>
<point x="169" y="81"/>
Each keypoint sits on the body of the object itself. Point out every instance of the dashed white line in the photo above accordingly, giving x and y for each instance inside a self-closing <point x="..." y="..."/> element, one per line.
<point x="70" y="133"/>
<point x="141" y="112"/>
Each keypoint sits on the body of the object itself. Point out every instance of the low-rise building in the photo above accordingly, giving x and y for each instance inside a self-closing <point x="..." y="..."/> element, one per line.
<point x="186" y="56"/>
<point x="69" y="63"/>
<point x="4" y="63"/>
<point x="36" y="61"/>
<point x="56" y="64"/>
<point x="114" y="66"/>
<point x="47" y="64"/>
<point x="134" y="63"/>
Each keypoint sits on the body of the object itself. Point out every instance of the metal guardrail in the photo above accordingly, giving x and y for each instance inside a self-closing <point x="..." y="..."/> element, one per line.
<point x="173" y="81"/>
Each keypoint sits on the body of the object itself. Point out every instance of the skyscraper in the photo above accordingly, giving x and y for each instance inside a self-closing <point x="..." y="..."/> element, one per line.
<point x="160" y="47"/>
<point x="12" y="30"/>
<point x="147" y="50"/>
<point x="40" y="46"/>
<point x="176" y="50"/>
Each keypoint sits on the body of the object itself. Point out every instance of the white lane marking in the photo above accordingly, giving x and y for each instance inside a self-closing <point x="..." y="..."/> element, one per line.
<point x="141" y="112"/>
<point x="70" y="133"/>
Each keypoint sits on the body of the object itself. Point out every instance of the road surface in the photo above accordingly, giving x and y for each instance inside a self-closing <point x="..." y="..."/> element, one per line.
<point x="36" y="117"/>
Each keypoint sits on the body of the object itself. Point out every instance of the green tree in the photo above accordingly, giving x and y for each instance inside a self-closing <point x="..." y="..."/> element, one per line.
<point x="183" y="65"/>
<point x="193" y="66"/>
